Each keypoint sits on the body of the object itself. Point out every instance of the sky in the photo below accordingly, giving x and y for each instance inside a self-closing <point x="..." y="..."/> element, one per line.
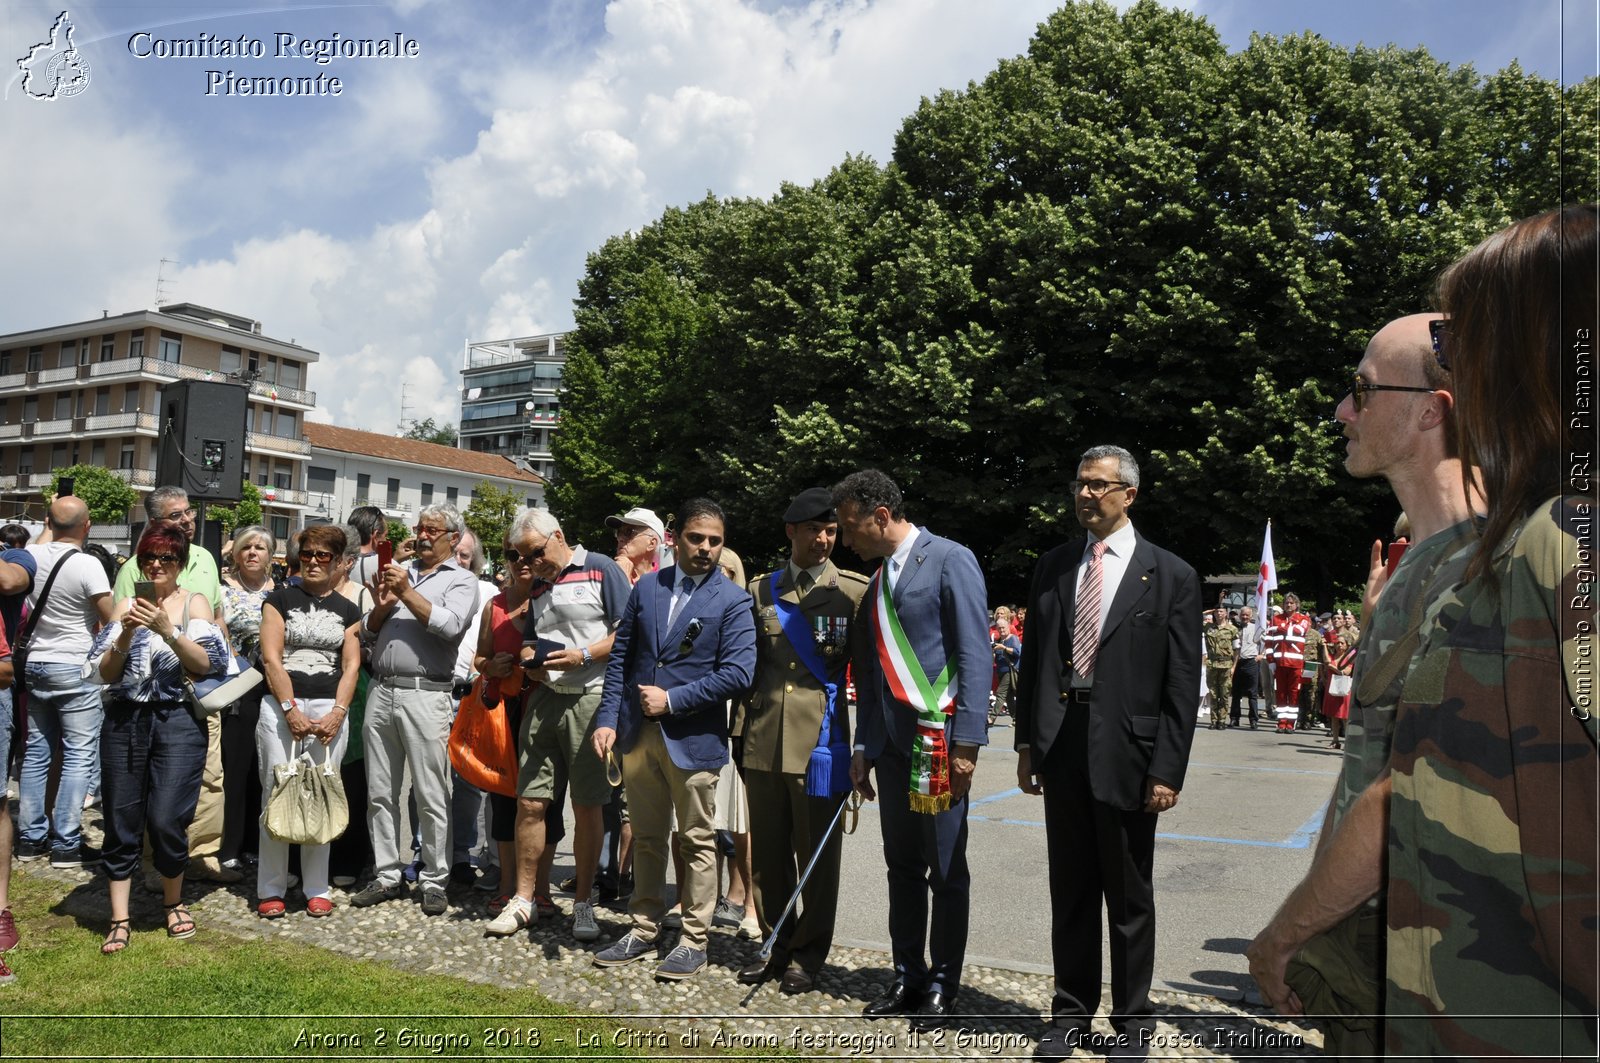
<point x="452" y="192"/>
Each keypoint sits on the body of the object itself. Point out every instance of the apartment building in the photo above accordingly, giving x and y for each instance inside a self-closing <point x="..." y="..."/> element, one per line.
<point x="89" y="392"/>
<point x="511" y="398"/>
<point x="351" y="468"/>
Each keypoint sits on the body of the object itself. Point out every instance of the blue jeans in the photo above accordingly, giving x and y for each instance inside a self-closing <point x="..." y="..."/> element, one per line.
<point x="63" y="709"/>
<point x="7" y="710"/>
<point x="154" y="755"/>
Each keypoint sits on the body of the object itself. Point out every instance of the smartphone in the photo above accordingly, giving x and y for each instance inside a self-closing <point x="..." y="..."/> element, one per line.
<point x="1397" y="550"/>
<point x="65" y="487"/>
<point x="385" y="554"/>
<point x="145" y="590"/>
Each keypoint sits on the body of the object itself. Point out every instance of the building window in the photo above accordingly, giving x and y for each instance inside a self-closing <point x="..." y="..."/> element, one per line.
<point x="25" y="463"/>
<point x="282" y="479"/>
<point x="130" y="399"/>
<point x="35" y="359"/>
<point x="30" y="410"/>
<point x="232" y="360"/>
<point x="393" y="495"/>
<point x="136" y="345"/>
<point x="108" y="348"/>
<point x="253" y="361"/>
<point x="5" y="363"/>
<point x="427" y="495"/>
<point x="102" y="402"/>
<point x="286" y="427"/>
<point x="58" y="456"/>
<point x="97" y="454"/>
<point x="171" y="349"/>
<point x="125" y="460"/>
<point x="280" y="529"/>
<point x="64" y="406"/>
<point x="452" y="495"/>
<point x="289" y="374"/>
<point x="363" y="488"/>
<point x="321" y="481"/>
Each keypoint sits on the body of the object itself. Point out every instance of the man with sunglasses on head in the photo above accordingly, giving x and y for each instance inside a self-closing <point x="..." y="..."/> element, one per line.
<point x="686" y="645"/>
<point x="419" y="615"/>
<point x="1322" y="952"/>
<point x="572" y="618"/>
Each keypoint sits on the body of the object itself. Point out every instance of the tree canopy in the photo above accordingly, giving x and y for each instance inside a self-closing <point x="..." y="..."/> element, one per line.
<point x="1125" y="235"/>
<point x="489" y="514"/>
<point x="428" y="431"/>
<point x="107" y="495"/>
<point x="246" y="513"/>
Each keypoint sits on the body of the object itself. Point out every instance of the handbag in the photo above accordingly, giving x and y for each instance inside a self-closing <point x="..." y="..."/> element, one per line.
<point x="211" y="694"/>
<point x="307" y="805"/>
<point x="1339" y="685"/>
<point x="481" y="750"/>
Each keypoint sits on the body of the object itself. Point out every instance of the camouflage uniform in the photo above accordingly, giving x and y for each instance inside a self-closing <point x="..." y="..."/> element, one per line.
<point x="1492" y="932"/>
<point x="1220" y="657"/>
<point x="1340" y="973"/>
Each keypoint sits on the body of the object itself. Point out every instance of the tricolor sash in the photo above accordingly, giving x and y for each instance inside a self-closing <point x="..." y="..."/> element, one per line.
<point x="934" y="703"/>
<point x="828" y="771"/>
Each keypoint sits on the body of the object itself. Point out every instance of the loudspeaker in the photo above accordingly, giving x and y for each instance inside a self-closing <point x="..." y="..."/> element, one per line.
<point x="201" y="448"/>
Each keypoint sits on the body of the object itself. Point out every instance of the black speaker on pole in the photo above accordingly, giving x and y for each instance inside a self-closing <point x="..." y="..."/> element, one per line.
<point x="201" y="448"/>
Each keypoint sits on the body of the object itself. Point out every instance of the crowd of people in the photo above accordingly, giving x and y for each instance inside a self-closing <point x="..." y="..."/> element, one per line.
<point x="689" y="717"/>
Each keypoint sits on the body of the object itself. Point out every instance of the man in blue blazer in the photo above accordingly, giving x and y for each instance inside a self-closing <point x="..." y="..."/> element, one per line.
<point x="922" y="682"/>
<point x="685" y="646"/>
<point x="1104" y="721"/>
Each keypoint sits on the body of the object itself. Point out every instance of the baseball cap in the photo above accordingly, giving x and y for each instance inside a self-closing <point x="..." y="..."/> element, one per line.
<point x="639" y="517"/>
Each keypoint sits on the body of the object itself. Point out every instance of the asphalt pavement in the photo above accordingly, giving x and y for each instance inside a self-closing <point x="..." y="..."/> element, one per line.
<point x="1239" y="839"/>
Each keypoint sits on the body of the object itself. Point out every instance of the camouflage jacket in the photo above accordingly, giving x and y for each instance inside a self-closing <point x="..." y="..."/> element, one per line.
<point x="1492" y="932"/>
<point x="1220" y="649"/>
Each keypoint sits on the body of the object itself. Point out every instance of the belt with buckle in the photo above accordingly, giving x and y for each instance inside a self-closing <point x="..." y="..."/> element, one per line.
<point x="1076" y="695"/>
<point x="415" y="682"/>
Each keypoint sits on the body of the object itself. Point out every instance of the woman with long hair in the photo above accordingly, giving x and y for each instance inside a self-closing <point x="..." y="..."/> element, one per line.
<point x="1492" y="935"/>
<point x="152" y="750"/>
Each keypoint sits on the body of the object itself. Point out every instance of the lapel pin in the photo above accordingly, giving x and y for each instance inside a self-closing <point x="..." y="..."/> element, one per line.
<point x="921" y="558"/>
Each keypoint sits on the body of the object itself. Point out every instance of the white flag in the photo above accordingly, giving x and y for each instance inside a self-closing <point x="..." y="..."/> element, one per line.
<point x="1266" y="582"/>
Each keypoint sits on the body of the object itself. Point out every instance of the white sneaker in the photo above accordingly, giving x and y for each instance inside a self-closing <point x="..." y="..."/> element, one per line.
<point x="517" y="913"/>
<point x="584" y="928"/>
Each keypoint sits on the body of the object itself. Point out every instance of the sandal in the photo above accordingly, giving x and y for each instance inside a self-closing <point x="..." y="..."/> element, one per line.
<point x="116" y="939"/>
<point x="184" y="927"/>
<point x="544" y="906"/>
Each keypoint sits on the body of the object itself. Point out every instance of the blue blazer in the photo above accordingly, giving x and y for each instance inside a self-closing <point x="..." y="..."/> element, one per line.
<point x="942" y="603"/>
<point x="707" y="658"/>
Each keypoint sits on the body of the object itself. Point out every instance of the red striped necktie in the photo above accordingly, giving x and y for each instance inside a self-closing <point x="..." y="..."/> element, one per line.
<point x="1086" y="625"/>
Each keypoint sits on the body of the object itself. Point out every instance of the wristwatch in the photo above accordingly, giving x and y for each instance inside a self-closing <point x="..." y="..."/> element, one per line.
<point x="588" y="658"/>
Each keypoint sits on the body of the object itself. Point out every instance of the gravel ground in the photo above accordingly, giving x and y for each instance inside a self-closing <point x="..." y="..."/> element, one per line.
<point x="1001" y="1009"/>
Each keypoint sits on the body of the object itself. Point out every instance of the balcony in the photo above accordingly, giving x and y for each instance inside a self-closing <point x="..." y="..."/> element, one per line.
<point x="56" y="376"/>
<point x="283" y="496"/>
<point x="8" y="483"/>
<point x="257" y="441"/>
<point x="394" y="509"/>
<point x="121" y="422"/>
<point x="12" y="381"/>
<point x="122" y="367"/>
<point x="47" y="429"/>
<point x="136" y="477"/>
<point x="10" y="431"/>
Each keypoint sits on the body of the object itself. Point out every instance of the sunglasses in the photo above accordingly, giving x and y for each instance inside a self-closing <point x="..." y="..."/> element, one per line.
<point x="1439" y="332"/>
<point x="690" y="633"/>
<point x="322" y="557"/>
<point x="1359" y="389"/>
<point x="165" y="559"/>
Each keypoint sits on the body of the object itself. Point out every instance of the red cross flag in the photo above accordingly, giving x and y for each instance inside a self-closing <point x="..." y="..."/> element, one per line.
<point x="1266" y="582"/>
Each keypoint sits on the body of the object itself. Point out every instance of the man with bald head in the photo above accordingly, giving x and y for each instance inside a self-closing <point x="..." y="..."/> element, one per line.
<point x="63" y="707"/>
<point x="1322" y="951"/>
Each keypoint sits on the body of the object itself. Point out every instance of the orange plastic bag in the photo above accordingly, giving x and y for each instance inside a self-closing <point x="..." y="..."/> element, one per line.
<point x="481" y="749"/>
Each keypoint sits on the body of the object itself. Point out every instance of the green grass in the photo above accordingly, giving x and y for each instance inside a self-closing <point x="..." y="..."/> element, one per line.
<point x="214" y="997"/>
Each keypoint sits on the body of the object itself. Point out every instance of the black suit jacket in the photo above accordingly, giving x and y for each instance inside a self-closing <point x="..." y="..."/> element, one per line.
<point x="1146" y="690"/>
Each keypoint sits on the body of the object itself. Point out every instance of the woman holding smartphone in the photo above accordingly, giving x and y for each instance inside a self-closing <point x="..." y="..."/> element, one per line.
<point x="152" y="750"/>
<point x="311" y="656"/>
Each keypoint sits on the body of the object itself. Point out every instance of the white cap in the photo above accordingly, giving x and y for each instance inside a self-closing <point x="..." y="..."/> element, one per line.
<point x="639" y="517"/>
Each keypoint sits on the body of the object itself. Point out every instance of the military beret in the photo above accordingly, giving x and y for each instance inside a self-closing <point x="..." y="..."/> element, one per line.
<point x="814" y="503"/>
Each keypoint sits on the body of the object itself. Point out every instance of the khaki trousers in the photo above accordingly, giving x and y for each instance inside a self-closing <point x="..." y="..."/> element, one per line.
<point x="655" y="786"/>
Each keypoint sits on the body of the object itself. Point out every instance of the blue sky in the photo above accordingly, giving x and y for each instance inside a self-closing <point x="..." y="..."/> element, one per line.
<point x="454" y="195"/>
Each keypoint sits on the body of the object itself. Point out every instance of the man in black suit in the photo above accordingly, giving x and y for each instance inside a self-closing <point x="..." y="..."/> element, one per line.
<point x="1105" y="717"/>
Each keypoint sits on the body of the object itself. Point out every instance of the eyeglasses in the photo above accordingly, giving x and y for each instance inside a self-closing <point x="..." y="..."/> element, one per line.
<point x="321" y="557"/>
<point x="1439" y="331"/>
<point x="1361" y="387"/>
<point x="423" y="531"/>
<point x="165" y="559"/>
<point x="1097" y="488"/>
<point x="178" y="514"/>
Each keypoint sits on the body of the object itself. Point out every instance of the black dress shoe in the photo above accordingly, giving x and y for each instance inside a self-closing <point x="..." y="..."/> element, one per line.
<point x="758" y="971"/>
<point x="796" y="980"/>
<point x="933" y="1012"/>
<point x="899" y="999"/>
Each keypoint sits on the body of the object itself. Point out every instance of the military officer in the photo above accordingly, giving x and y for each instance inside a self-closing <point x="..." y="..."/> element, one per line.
<point x="1221" y="654"/>
<point x="794" y="730"/>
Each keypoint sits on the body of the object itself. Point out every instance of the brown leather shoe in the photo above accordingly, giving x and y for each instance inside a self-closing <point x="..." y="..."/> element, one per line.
<point x="796" y="980"/>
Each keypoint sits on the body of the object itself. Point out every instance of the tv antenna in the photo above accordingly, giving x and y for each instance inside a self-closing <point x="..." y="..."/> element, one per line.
<point x="161" y="280"/>
<point x="400" y="428"/>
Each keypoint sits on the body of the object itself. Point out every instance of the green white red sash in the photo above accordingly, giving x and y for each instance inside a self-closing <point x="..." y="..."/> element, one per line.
<point x="934" y="703"/>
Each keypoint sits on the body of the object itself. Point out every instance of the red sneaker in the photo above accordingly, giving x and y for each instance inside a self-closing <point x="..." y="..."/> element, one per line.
<point x="8" y="931"/>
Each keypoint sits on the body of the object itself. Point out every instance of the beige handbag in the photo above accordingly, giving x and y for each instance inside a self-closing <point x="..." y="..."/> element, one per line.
<point x="307" y="805"/>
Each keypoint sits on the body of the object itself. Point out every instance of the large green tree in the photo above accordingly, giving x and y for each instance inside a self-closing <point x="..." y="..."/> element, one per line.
<point x="489" y="514"/>
<point x="107" y="495"/>
<point x="1127" y="235"/>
